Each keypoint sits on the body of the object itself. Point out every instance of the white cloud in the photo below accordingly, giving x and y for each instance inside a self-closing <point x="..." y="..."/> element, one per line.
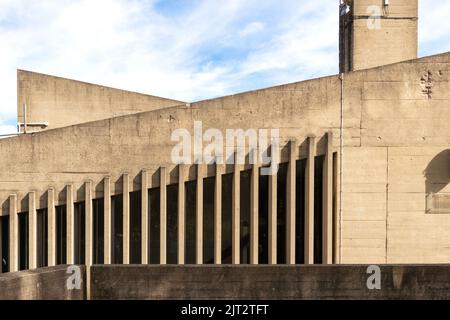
<point x="252" y="28"/>
<point x="208" y="49"/>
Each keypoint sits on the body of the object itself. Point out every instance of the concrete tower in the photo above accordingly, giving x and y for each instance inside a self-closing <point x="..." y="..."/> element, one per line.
<point x="377" y="32"/>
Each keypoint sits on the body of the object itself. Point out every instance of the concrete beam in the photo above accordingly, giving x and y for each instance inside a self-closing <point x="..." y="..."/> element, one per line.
<point x="336" y="210"/>
<point x="218" y="215"/>
<point x="290" y="202"/>
<point x="199" y="215"/>
<point x="181" y="213"/>
<point x="89" y="243"/>
<point x="70" y="252"/>
<point x="126" y="218"/>
<point x="144" y="217"/>
<point x="254" y="216"/>
<point x="273" y="218"/>
<point x="327" y="211"/>
<point x="51" y="233"/>
<point x="163" y="216"/>
<point x="32" y="231"/>
<point x="236" y="214"/>
<point x="13" y="234"/>
<point x="309" y="202"/>
<point x="107" y="219"/>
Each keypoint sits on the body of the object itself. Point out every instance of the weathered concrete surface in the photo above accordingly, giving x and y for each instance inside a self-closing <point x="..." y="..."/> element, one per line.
<point x="389" y="38"/>
<point x="64" y="102"/>
<point x="267" y="282"/>
<point x="40" y="284"/>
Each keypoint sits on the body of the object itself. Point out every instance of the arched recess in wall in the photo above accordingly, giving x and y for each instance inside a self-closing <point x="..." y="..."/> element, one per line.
<point x="437" y="175"/>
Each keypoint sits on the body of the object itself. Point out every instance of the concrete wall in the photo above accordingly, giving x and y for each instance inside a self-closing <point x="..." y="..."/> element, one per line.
<point x="402" y="128"/>
<point x="91" y="151"/>
<point x="395" y="125"/>
<point x="267" y="282"/>
<point x="40" y="284"/>
<point x="63" y="102"/>
<point x="395" y="40"/>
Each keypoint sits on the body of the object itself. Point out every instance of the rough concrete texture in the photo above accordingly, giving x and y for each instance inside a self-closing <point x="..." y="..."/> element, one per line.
<point x="267" y="282"/>
<point x="62" y="102"/>
<point x="395" y="132"/>
<point x="40" y="284"/>
<point x="381" y="35"/>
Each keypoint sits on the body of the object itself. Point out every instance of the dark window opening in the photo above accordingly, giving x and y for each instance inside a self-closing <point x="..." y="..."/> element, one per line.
<point x="245" y="216"/>
<point x="80" y="233"/>
<point x="23" y="241"/>
<point x="99" y="231"/>
<point x="42" y="238"/>
<point x="4" y="246"/>
<point x="172" y="224"/>
<point x="208" y="220"/>
<point x="135" y="227"/>
<point x="117" y="228"/>
<point x="190" y="206"/>
<point x="300" y="212"/>
<point x="154" y="228"/>
<point x="263" y="224"/>
<point x="281" y="212"/>
<point x="61" y="235"/>
<point x="318" y="205"/>
<point x="227" y="193"/>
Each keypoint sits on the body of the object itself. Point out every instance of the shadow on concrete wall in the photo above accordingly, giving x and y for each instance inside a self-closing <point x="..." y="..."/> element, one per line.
<point x="437" y="173"/>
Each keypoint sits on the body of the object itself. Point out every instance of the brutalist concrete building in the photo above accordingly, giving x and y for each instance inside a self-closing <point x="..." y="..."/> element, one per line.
<point x="363" y="175"/>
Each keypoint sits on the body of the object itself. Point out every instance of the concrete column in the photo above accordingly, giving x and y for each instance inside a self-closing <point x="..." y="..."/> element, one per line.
<point x="199" y="215"/>
<point x="107" y="219"/>
<point x="181" y="213"/>
<point x="126" y="218"/>
<point x="327" y="211"/>
<point x="13" y="234"/>
<point x="309" y="202"/>
<point x="218" y="215"/>
<point x="273" y="219"/>
<point x="51" y="234"/>
<point x="163" y="217"/>
<point x="254" y="216"/>
<point x="290" y="203"/>
<point x="337" y="213"/>
<point x="70" y="253"/>
<point x="32" y="231"/>
<point x="89" y="227"/>
<point x="236" y="215"/>
<point x="144" y="217"/>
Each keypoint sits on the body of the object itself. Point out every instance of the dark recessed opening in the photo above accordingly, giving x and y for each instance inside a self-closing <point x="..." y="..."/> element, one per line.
<point x="227" y="196"/>
<point x="61" y="235"/>
<point x="117" y="228"/>
<point x="80" y="232"/>
<point x="135" y="227"/>
<point x="42" y="238"/>
<point x="23" y="241"/>
<point x="154" y="227"/>
<point x="172" y="224"/>
<point x="99" y="231"/>
<point x="245" y="216"/>
<point x="208" y="220"/>
<point x="190" y="206"/>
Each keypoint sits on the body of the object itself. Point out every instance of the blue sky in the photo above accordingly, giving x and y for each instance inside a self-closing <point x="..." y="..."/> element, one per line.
<point x="183" y="49"/>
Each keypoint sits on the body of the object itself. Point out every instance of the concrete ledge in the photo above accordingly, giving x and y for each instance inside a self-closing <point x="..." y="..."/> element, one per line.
<point x="267" y="282"/>
<point x="119" y="282"/>
<point x="40" y="284"/>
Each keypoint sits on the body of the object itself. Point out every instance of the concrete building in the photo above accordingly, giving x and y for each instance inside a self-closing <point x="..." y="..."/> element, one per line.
<point x="364" y="174"/>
